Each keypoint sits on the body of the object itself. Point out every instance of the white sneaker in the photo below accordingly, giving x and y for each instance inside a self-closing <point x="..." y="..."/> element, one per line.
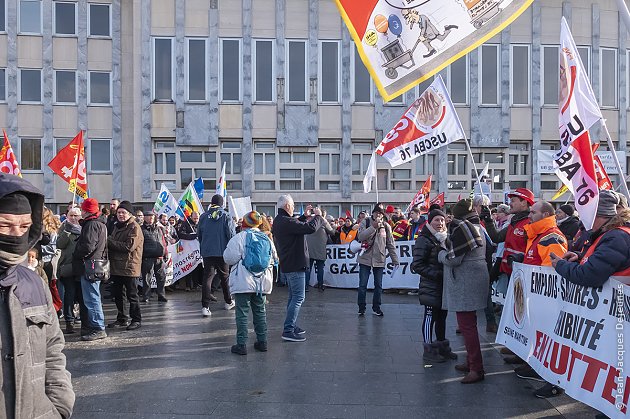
<point x="229" y="306"/>
<point x="205" y="312"/>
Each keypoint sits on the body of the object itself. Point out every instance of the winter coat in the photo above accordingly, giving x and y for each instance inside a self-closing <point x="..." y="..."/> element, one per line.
<point x="186" y="230"/>
<point x="317" y="241"/>
<point x="125" y="249"/>
<point x="288" y="235"/>
<point x="426" y="264"/>
<point x="513" y="236"/>
<point x="381" y="244"/>
<point x="608" y="254"/>
<point x="92" y="243"/>
<point x="154" y="245"/>
<point x="466" y="280"/>
<point x="215" y="230"/>
<point x="66" y="242"/>
<point x="241" y="280"/>
<point x="569" y="227"/>
<point x="543" y="239"/>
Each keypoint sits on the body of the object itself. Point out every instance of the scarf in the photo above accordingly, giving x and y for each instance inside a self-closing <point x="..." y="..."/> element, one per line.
<point x="463" y="236"/>
<point x="72" y="228"/>
<point x="440" y="236"/>
<point x="13" y="250"/>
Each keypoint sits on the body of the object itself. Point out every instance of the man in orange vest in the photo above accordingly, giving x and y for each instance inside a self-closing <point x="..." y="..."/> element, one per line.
<point x="609" y="252"/>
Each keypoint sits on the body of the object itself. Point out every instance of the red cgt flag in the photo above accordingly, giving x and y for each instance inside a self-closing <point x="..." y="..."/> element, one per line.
<point x="438" y="200"/>
<point x="422" y="197"/>
<point x="8" y="162"/>
<point x="69" y="164"/>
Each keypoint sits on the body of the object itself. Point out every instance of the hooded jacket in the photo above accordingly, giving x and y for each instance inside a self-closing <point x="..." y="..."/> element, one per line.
<point x="569" y="227"/>
<point x="215" y="230"/>
<point x="35" y="382"/>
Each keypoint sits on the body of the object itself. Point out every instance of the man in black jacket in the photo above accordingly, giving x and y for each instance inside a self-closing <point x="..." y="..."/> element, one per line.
<point x="153" y="253"/>
<point x="111" y="218"/>
<point x="288" y="235"/>
<point x="568" y="223"/>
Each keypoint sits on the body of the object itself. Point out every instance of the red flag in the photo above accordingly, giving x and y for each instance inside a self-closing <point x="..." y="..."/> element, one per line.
<point x="348" y="214"/>
<point x="69" y="164"/>
<point x="8" y="162"/>
<point x="422" y="197"/>
<point x="603" y="181"/>
<point x="438" y="200"/>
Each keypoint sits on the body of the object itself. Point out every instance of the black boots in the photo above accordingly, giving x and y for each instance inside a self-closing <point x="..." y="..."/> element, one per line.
<point x="432" y="354"/>
<point x="444" y="348"/>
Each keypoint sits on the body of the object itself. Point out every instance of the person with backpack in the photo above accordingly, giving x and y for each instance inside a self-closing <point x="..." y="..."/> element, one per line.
<point x="252" y="256"/>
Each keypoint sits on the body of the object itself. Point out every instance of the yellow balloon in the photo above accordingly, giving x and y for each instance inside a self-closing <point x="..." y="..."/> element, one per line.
<point x="370" y="37"/>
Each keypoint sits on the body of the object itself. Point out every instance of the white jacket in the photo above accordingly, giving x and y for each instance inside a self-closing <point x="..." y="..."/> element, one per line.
<point x="241" y="280"/>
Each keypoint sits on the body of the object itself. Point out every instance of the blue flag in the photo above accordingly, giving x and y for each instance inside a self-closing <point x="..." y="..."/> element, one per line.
<point x="199" y="187"/>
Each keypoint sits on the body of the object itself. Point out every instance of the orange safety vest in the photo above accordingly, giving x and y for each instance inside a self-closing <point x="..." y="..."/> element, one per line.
<point x="543" y="238"/>
<point x="347" y="238"/>
<point x="591" y="250"/>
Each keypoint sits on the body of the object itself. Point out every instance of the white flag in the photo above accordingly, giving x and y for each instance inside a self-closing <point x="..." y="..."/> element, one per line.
<point x="165" y="202"/>
<point x="370" y="174"/>
<point x="485" y="172"/>
<point x="430" y="123"/>
<point x="221" y="185"/>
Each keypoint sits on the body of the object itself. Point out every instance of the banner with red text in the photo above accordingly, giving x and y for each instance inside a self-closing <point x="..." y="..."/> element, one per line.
<point x="573" y="336"/>
<point x="186" y="256"/>
<point x="403" y="42"/>
<point x="430" y="123"/>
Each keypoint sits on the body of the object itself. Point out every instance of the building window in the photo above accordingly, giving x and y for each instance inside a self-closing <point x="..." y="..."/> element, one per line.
<point x="329" y="159"/>
<point x="401" y="179"/>
<point x="231" y="156"/>
<point x="3" y="16"/>
<point x="163" y="69"/>
<point x="30" y="16"/>
<point x="520" y="74"/>
<point x="457" y="164"/>
<point x="549" y="185"/>
<point x="608" y="78"/>
<point x="99" y="88"/>
<point x="518" y="164"/>
<point x="3" y="84"/>
<point x="65" y="18"/>
<point x="425" y="165"/>
<point x="100" y="155"/>
<point x="99" y="20"/>
<point x="329" y="72"/>
<point x="361" y="154"/>
<point x="301" y="178"/>
<point x="264" y="77"/>
<point x="550" y="56"/>
<point x="585" y="56"/>
<point x="264" y="159"/>
<point x="196" y="71"/>
<point x="65" y="86"/>
<point x="30" y="85"/>
<point x="266" y="209"/>
<point x="31" y="154"/>
<point x="296" y="71"/>
<point x="230" y="70"/>
<point x="489" y="74"/>
<point x="265" y="185"/>
<point x="458" y="81"/>
<point x="194" y="164"/>
<point x="164" y="163"/>
<point x="362" y="82"/>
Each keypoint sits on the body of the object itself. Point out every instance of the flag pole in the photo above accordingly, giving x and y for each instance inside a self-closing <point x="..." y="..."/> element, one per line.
<point x="611" y="146"/>
<point x="472" y="159"/>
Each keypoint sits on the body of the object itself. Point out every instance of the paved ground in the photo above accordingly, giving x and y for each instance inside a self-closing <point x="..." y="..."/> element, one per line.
<point x="179" y="365"/>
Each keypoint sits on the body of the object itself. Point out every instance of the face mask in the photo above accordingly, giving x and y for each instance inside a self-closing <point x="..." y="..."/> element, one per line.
<point x="14" y="245"/>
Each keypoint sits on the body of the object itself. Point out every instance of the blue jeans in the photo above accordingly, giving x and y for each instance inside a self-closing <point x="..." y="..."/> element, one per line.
<point x="296" y="283"/>
<point x="92" y="300"/>
<point x="319" y="269"/>
<point x="364" y="275"/>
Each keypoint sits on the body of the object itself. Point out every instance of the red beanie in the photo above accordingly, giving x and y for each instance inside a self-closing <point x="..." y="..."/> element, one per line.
<point x="389" y="209"/>
<point x="90" y="205"/>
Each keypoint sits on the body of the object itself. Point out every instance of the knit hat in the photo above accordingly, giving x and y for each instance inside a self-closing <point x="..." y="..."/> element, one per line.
<point x="567" y="209"/>
<point x="126" y="205"/>
<point x="435" y="207"/>
<point x="623" y="201"/>
<point x="434" y="213"/>
<point x="462" y="208"/>
<point x="15" y="203"/>
<point x="503" y="208"/>
<point x="389" y="209"/>
<point x="90" y="205"/>
<point x="523" y="193"/>
<point x="251" y="219"/>
<point x="217" y="200"/>
<point x="378" y="209"/>
<point x="608" y="201"/>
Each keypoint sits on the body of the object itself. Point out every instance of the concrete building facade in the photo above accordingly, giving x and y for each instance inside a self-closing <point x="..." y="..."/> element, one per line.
<point x="169" y="90"/>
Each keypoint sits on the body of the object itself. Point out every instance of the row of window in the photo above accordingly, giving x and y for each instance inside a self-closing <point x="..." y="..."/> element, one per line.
<point x="99" y="87"/>
<point x="64" y="18"/>
<point x="98" y="154"/>
<point x="297" y="84"/>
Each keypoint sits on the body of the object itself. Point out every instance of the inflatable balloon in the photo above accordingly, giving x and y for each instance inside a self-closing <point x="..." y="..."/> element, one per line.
<point x="370" y="37"/>
<point x="381" y="24"/>
<point x="395" y="26"/>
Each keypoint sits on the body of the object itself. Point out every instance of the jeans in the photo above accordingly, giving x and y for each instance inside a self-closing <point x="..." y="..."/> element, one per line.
<point x="92" y="299"/>
<point x="242" y="304"/>
<point x="149" y="267"/>
<point x="467" y="322"/>
<point x="129" y="284"/>
<point x="319" y="269"/>
<point x="215" y="269"/>
<point x="295" y="282"/>
<point x="72" y="292"/>
<point x="364" y="275"/>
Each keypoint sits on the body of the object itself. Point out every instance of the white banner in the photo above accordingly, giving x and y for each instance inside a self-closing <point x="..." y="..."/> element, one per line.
<point x="430" y="123"/>
<point x="165" y="202"/>
<point x="546" y="157"/>
<point x="342" y="269"/>
<point x="186" y="256"/>
<point x="238" y="207"/>
<point x="573" y="336"/>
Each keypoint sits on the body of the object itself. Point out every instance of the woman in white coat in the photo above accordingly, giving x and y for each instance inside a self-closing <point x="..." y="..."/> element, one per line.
<point x="250" y="288"/>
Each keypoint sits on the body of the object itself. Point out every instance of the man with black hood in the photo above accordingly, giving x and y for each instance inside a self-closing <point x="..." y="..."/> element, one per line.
<point x="216" y="228"/>
<point x="34" y="379"/>
<point x="568" y="223"/>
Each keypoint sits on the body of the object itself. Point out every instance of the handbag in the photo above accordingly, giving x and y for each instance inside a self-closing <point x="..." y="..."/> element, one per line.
<point x="97" y="269"/>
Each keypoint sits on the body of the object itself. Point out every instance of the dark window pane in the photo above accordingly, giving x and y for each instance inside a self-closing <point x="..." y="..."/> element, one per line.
<point x="31" y="85"/>
<point x="30" y="16"/>
<point x="459" y="81"/>
<point x="489" y="75"/>
<point x="2" y="16"/>
<point x="230" y="75"/>
<point x="31" y="154"/>
<point x="64" y="18"/>
<point x="210" y="156"/>
<point x="236" y="163"/>
<point x="158" y="163"/>
<point x="362" y="80"/>
<point x="163" y="69"/>
<point x="65" y="87"/>
<point x="297" y="71"/>
<point x="520" y="75"/>
<point x="190" y="156"/>
<point x="309" y="179"/>
<point x="550" y="75"/>
<point x="609" y="77"/>
<point x="330" y="72"/>
<point x="170" y="163"/>
<point x="100" y="155"/>
<point x="99" y="20"/>
<point x="265" y="185"/>
<point x="264" y="71"/>
<point x="3" y="84"/>
<point x="270" y="164"/>
<point x="185" y="177"/>
<point x="258" y="164"/>
<point x="197" y="69"/>
<point x="99" y="88"/>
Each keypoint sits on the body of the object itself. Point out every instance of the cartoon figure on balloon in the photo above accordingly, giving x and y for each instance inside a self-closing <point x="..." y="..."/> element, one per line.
<point x="428" y="31"/>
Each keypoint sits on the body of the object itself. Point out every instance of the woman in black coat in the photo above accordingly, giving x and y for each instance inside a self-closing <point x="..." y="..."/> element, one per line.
<point x="425" y="263"/>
